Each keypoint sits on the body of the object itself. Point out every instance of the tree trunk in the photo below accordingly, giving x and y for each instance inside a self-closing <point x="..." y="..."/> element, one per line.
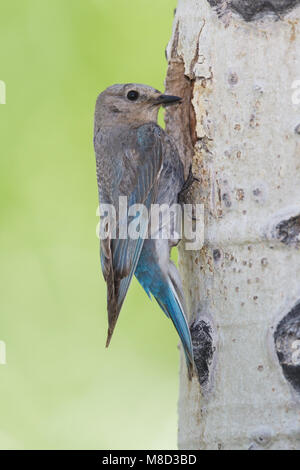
<point x="236" y="64"/>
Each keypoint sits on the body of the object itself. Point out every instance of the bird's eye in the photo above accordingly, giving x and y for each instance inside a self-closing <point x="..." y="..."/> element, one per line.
<point x="132" y="95"/>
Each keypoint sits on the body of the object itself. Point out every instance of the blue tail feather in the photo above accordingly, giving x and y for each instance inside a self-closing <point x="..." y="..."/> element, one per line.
<point x="167" y="291"/>
<point x="172" y="307"/>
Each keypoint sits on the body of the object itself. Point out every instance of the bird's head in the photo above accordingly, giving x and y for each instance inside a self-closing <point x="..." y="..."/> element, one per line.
<point x="130" y="103"/>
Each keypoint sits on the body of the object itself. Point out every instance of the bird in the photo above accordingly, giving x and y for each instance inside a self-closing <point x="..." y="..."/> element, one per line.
<point x="137" y="159"/>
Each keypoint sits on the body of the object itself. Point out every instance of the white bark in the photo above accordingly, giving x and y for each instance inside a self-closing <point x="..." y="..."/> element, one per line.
<point x="245" y="144"/>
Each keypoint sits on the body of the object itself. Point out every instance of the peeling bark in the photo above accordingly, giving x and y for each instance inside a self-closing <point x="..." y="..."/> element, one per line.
<point x="234" y="64"/>
<point x="183" y="118"/>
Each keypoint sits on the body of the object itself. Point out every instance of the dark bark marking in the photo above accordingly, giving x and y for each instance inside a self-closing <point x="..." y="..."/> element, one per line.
<point x="288" y="231"/>
<point x="233" y="78"/>
<point x="216" y="255"/>
<point x="286" y="339"/>
<point x="254" y="9"/>
<point x="201" y="334"/>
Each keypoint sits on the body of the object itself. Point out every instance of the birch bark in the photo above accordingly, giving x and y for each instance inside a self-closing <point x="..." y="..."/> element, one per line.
<point x="237" y="66"/>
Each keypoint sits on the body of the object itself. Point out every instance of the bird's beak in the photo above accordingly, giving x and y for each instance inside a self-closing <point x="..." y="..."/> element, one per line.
<point x="165" y="100"/>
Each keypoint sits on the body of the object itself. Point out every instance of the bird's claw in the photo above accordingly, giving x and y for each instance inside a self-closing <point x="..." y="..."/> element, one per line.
<point x="187" y="184"/>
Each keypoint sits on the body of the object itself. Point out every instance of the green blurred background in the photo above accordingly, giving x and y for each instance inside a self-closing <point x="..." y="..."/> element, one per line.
<point x="61" y="388"/>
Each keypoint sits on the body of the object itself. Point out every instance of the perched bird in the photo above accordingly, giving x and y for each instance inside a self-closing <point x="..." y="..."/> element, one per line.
<point x="137" y="159"/>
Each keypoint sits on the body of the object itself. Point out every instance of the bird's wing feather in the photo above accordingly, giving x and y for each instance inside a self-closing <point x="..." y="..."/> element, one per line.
<point x="142" y="163"/>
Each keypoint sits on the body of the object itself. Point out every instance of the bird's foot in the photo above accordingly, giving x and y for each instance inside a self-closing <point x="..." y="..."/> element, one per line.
<point x="187" y="184"/>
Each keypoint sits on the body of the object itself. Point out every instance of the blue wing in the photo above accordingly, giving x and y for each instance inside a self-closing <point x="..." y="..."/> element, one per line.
<point x="119" y="257"/>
